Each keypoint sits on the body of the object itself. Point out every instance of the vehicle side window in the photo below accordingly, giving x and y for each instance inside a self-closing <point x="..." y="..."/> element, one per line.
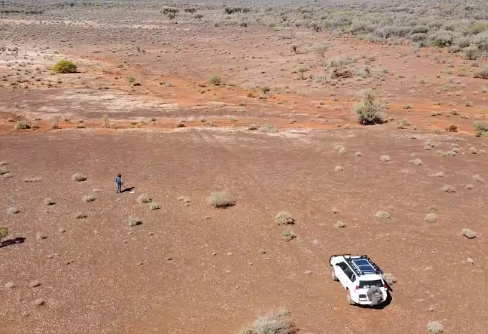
<point x="349" y="273"/>
<point x="343" y="266"/>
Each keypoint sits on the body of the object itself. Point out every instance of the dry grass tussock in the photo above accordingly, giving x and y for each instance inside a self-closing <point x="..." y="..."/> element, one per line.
<point x="221" y="199"/>
<point x="78" y="177"/>
<point x="277" y="322"/>
<point x="144" y="199"/>
<point x="435" y="327"/>
<point x="284" y="218"/>
<point x="383" y="215"/>
<point x="468" y="233"/>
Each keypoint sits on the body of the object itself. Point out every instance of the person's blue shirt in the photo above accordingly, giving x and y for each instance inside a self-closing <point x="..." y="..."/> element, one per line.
<point x="118" y="180"/>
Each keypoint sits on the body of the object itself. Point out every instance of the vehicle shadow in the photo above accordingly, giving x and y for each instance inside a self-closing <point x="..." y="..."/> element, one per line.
<point x="9" y="242"/>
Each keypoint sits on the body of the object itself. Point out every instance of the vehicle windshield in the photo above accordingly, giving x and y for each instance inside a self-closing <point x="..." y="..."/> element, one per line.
<point x="368" y="284"/>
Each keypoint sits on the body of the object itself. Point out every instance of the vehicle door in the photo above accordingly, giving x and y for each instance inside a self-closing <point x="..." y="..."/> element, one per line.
<point x="341" y="270"/>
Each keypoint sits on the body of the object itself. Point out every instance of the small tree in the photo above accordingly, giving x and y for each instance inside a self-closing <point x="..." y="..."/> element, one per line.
<point x="170" y="12"/>
<point x="369" y="111"/>
<point x="64" y="66"/>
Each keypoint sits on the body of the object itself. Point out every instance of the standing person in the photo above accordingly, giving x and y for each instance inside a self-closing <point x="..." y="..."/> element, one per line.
<point x="118" y="183"/>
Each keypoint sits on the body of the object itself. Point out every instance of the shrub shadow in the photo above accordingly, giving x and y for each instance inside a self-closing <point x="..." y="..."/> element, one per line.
<point x="10" y="242"/>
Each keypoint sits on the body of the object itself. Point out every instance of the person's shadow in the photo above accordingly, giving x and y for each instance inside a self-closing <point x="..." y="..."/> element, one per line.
<point x="9" y="242"/>
<point x="127" y="189"/>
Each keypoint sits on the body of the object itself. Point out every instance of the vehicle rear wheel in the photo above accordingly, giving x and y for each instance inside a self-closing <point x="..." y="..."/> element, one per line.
<point x="349" y="300"/>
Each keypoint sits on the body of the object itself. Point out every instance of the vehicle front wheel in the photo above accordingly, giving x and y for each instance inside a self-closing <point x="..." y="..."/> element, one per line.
<point x="334" y="277"/>
<point x="349" y="299"/>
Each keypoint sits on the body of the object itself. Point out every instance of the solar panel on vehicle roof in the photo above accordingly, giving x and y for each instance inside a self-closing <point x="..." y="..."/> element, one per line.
<point x="364" y="265"/>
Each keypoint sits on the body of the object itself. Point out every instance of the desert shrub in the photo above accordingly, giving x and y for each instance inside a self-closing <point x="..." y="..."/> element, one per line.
<point x="420" y="29"/>
<point x="284" y="218"/>
<point x="3" y="233"/>
<point x="170" y="12"/>
<point x="3" y="170"/>
<point x="476" y="28"/>
<point x="21" y="125"/>
<point x="78" y="177"/>
<point x="253" y="127"/>
<point x="154" y="206"/>
<point x="221" y="199"/>
<point x="144" y="199"/>
<point x="214" y="80"/>
<point x="481" y="74"/>
<point x="320" y="50"/>
<point x="369" y="111"/>
<point x="80" y="215"/>
<point x="431" y="218"/>
<point x="338" y="168"/>
<point x="88" y="198"/>
<point x="340" y="149"/>
<point x="49" y="201"/>
<point x="463" y="42"/>
<point x="32" y="179"/>
<point x="385" y="158"/>
<point x="134" y="221"/>
<point x="339" y="224"/>
<point x="341" y="61"/>
<point x="442" y="38"/>
<point x="404" y="123"/>
<point x="12" y="211"/>
<point x="435" y="327"/>
<point x="480" y="128"/>
<point x="481" y="41"/>
<point x="452" y="128"/>
<point x="416" y="162"/>
<point x="180" y="124"/>
<point x="471" y="53"/>
<point x="302" y="71"/>
<point x="277" y="322"/>
<point x="389" y="278"/>
<point x="478" y="178"/>
<point x="269" y="128"/>
<point x="288" y="235"/>
<point x="468" y="233"/>
<point x="383" y="215"/>
<point x="64" y="66"/>
<point x="448" y="189"/>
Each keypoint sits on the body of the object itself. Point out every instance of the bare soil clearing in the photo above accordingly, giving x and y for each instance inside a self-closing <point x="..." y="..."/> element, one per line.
<point x="275" y="134"/>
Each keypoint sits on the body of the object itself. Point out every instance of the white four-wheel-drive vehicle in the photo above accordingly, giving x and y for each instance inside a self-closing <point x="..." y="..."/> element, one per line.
<point x="361" y="277"/>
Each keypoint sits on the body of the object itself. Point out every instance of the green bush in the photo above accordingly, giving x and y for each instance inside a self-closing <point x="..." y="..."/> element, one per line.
<point x="21" y="125"/>
<point x="65" y="66"/>
<point x="3" y="233"/>
<point x="214" y="80"/>
<point x="370" y="110"/>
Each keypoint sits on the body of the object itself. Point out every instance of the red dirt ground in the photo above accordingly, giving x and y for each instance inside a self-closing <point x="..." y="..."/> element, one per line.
<point x="196" y="269"/>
